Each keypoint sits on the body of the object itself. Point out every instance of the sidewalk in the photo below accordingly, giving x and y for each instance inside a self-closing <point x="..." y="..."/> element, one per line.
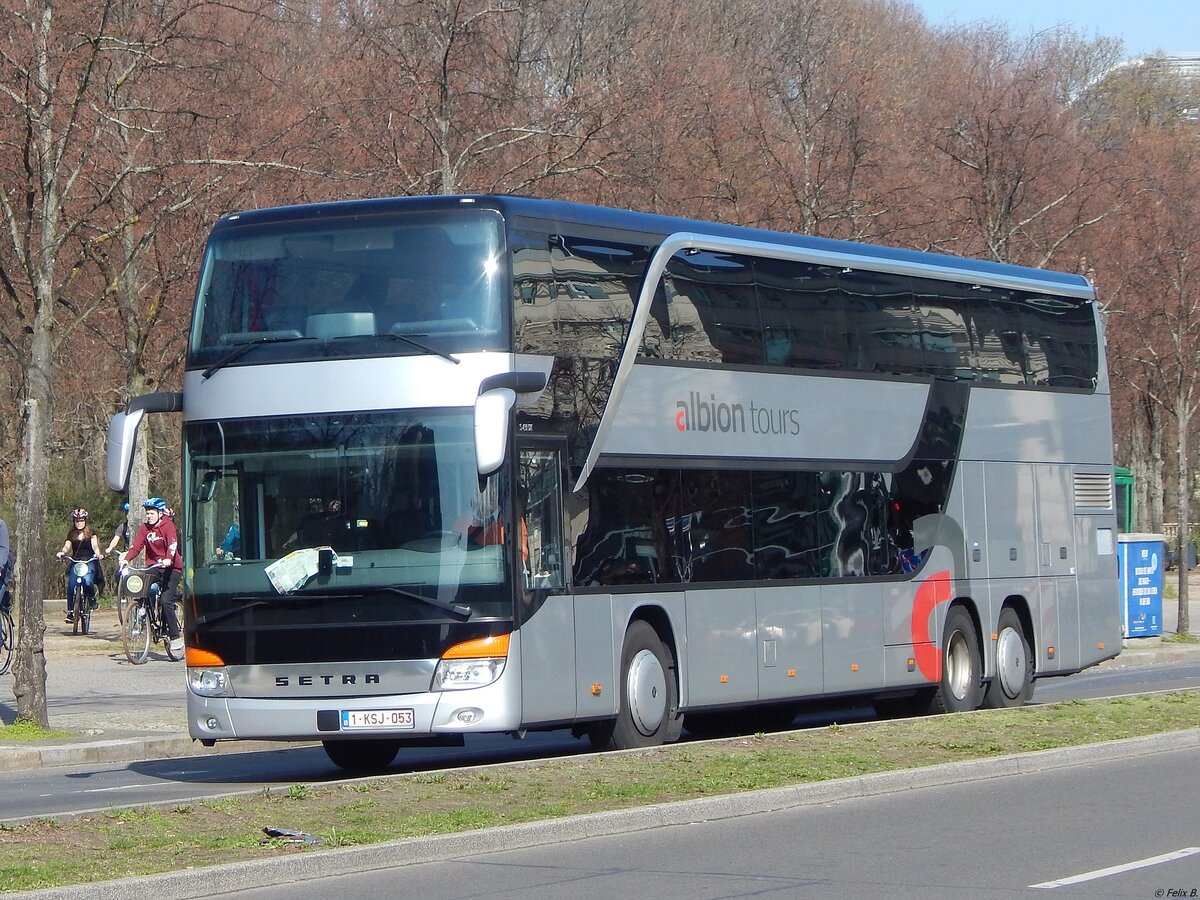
<point x="116" y="711"/>
<point x="119" y="712"/>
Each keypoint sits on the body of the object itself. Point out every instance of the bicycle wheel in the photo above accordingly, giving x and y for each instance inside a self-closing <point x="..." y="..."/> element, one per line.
<point x="8" y="637"/>
<point x="135" y="633"/>
<point x="85" y="611"/>
<point x="77" y="612"/>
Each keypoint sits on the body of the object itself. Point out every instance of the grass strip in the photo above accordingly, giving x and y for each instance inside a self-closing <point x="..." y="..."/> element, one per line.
<point x="126" y="842"/>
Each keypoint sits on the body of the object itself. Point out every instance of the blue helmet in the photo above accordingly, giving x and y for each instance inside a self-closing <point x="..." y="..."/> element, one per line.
<point x="155" y="503"/>
<point x="125" y="507"/>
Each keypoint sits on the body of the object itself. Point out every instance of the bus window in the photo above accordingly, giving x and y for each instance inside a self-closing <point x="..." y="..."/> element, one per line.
<point x="540" y="538"/>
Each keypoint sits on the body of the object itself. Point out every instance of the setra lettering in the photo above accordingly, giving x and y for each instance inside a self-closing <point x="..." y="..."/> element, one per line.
<point x="346" y="679"/>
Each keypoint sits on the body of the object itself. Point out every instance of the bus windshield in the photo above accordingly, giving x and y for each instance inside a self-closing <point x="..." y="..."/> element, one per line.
<point x="395" y="496"/>
<point x="397" y="284"/>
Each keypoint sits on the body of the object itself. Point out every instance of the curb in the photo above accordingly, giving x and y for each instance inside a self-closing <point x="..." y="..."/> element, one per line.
<point x="255" y="874"/>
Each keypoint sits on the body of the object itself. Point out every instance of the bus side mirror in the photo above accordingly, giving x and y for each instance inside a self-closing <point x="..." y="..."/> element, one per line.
<point x="493" y="407"/>
<point x="123" y="431"/>
<point x="122" y="439"/>
<point x="491" y="428"/>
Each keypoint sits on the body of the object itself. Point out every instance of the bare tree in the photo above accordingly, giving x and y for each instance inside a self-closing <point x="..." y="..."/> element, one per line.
<point x="91" y="95"/>
<point x="1160" y="292"/>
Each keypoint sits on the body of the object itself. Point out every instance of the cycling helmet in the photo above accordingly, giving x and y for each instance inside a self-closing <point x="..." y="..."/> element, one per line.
<point x="79" y="513"/>
<point x="155" y="503"/>
<point x="125" y="507"/>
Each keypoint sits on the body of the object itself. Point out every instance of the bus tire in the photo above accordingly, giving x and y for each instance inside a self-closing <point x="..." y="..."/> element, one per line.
<point x="961" y="686"/>
<point x="361" y="756"/>
<point x="1013" y="684"/>
<point x="649" y="698"/>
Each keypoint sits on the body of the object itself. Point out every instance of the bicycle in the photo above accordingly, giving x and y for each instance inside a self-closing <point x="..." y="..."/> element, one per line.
<point x="8" y="631"/>
<point x="143" y="621"/>
<point x="81" y="614"/>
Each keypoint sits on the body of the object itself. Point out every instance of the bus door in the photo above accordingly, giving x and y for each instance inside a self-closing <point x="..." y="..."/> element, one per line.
<point x="545" y="611"/>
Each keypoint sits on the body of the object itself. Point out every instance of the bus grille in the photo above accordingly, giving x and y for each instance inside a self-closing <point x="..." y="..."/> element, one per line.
<point x="1093" y="490"/>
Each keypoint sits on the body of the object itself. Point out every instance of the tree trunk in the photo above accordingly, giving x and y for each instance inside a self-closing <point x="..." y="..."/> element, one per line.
<point x="1183" y="500"/>
<point x="29" y="666"/>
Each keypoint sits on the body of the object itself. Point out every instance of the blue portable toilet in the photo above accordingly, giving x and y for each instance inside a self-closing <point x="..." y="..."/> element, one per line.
<point x="1141" y="559"/>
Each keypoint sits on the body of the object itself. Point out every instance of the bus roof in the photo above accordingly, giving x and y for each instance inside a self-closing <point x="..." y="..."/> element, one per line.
<point x="561" y="211"/>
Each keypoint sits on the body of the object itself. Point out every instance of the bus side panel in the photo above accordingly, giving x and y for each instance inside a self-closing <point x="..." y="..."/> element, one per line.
<point x="548" y="688"/>
<point x="595" y="656"/>
<point x="852" y="623"/>
<point x="1056" y="564"/>
<point x="1056" y="532"/>
<point x="1012" y="520"/>
<point x="1099" y="592"/>
<point x="789" y="634"/>
<point x="722" y="647"/>
<point x="1063" y="594"/>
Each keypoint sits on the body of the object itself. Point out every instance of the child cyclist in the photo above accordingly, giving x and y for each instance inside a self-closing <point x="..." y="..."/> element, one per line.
<point x="160" y="541"/>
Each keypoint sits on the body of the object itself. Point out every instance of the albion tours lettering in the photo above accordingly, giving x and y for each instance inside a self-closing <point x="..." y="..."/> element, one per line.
<point x="697" y="414"/>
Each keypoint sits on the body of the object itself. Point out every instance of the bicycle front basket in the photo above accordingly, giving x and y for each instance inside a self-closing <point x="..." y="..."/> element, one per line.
<point x="134" y="585"/>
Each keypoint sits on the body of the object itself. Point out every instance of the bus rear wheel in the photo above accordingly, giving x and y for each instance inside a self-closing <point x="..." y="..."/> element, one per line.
<point x="1013" y="684"/>
<point x="649" y="698"/>
<point x="361" y="756"/>
<point x="961" y="686"/>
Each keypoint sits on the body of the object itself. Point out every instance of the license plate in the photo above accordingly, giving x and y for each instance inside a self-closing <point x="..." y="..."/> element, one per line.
<point x="376" y="718"/>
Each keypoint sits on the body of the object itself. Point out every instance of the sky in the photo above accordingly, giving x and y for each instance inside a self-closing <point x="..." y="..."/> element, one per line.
<point x="1146" y="26"/>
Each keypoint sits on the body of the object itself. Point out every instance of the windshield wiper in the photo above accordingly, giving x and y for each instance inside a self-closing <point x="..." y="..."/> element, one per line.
<point x="455" y="609"/>
<point x="394" y="336"/>
<point x="302" y="597"/>
<point x="242" y="349"/>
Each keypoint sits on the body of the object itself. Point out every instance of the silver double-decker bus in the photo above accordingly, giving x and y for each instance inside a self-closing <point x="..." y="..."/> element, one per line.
<point x="455" y="465"/>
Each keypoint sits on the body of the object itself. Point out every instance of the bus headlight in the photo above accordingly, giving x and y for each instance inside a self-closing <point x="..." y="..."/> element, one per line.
<point x="209" y="683"/>
<point x="471" y="664"/>
<point x="461" y="674"/>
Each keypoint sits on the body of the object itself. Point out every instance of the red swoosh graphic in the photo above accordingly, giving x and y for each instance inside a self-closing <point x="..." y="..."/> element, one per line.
<point x="933" y="591"/>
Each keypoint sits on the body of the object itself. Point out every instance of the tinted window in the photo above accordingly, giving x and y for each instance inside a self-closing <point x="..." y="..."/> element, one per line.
<point x="318" y="288"/>
<point x="632" y="523"/>
<point x="712" y="297"/>
<point x="715" y="542"/>
<point x="804" y="318"/>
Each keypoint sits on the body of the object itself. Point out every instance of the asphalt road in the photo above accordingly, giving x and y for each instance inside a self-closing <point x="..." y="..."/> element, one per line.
<point x="1115" y="828"/>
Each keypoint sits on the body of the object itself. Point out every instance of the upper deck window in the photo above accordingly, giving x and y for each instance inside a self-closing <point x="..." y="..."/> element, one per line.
<point x="358" y="286"/>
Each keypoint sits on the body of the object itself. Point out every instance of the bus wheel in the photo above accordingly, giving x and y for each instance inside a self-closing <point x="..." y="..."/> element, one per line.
<point x="961" y="686"/>
<point x="649" y="700"/>
<point x="361" y="756"/>
<point x="1013" y="684"/>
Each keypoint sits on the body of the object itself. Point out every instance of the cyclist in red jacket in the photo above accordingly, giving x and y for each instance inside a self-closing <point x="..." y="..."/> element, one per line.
<point x="160" y="541"/>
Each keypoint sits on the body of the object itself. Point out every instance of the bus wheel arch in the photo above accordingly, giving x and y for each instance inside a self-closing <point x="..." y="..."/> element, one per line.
<point x="648" y="711"/>
<point x="960" y="687"/>
<point x="1012" y="683"/>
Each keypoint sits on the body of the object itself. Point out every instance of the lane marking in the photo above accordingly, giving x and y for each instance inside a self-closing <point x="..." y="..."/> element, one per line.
<point x="1116" y="870"/>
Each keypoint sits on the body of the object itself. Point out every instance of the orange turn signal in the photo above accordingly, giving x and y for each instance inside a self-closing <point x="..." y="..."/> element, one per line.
<point x="203" y="659"/>
<point x="494" y="646"/>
